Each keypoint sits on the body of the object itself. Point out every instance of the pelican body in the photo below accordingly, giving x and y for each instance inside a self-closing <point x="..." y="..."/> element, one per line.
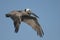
<point x="24" y="16"/>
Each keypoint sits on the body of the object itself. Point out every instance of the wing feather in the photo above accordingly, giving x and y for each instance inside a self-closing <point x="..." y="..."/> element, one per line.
<point x="32" y="21"/>
<point x="16" y="24"/>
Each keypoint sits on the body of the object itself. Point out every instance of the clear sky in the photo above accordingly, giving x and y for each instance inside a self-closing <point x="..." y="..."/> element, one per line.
<point x="49" y="18"/>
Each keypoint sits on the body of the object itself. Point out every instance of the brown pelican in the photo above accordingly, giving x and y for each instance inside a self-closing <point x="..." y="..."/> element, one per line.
<point x="24" y="16"/>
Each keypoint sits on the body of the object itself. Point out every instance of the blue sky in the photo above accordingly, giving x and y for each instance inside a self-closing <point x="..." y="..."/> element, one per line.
<point x="49" y="18"/>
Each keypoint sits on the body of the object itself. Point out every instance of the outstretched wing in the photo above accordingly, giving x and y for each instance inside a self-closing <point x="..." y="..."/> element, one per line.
<point x="16" y="25"/>
<point x="32" y="21"/>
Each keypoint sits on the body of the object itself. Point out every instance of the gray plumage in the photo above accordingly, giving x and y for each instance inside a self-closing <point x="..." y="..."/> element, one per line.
<point x="22" y="16"/>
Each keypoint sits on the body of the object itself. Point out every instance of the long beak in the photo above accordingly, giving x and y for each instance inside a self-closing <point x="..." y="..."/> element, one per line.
<point x="34" y="15"/>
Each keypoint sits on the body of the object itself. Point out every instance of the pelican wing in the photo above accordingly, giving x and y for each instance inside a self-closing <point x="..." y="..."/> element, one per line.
<point x="32" y="21"/>
<point x="16" y="24"/>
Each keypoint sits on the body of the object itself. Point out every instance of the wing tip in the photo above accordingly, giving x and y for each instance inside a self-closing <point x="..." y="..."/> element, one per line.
<point x="41" y="34"/>
<point x="7" y="15"/>
<point x="16" y="30"/>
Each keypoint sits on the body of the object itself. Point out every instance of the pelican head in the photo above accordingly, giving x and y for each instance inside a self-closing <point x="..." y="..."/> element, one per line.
<point x="27" y="10"/>
<point x="30" y="12"/>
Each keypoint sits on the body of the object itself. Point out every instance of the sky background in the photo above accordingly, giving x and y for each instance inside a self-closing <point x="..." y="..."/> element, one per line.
<point x="49" y="18"/>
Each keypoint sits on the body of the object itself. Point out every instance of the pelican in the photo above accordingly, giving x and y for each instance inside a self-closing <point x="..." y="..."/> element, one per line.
<point x="25" y="16"/>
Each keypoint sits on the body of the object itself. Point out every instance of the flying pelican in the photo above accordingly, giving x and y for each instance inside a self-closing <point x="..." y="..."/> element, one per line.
<point x="23" y="16"/>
